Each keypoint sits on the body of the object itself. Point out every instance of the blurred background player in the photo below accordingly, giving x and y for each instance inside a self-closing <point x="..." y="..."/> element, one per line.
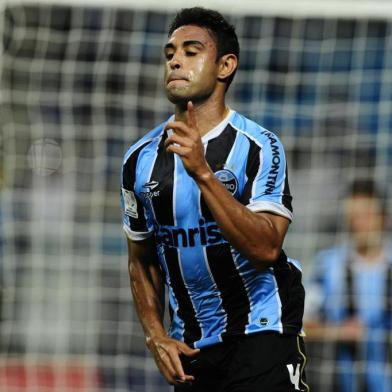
<point x="350" y="296"/>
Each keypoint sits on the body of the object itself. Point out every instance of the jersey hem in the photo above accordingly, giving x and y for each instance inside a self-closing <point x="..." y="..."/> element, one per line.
<point x="216" y="339"/>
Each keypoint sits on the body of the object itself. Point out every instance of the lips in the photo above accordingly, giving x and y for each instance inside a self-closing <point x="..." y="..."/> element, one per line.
<point x="173" y="78"/>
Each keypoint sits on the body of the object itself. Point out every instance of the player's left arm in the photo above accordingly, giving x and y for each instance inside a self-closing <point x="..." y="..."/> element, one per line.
<point x="257" y="235"/>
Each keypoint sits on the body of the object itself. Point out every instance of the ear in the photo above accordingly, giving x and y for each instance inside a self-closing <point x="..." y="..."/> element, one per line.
<point x="227" y="65"/>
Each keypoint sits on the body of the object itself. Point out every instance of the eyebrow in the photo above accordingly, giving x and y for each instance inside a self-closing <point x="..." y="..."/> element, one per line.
<point x="185" y="43"/>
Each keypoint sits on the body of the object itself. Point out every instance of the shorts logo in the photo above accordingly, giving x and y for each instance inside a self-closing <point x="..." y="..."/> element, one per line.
<point x="228" y="179"/>
<point x="130" y="203"/>
<point x="150" y="186"/>
<point x="294" y="375"/>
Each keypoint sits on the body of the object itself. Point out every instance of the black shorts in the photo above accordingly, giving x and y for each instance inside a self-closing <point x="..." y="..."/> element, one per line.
<point x="261" y="362"/>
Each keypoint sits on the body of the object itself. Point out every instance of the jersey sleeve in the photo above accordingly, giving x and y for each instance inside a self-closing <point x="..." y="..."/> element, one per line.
<point x="136" y="224"/>
<point x="267" y="186"/>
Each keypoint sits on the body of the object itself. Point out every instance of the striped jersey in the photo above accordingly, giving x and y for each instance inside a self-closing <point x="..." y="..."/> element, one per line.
<point x="344" y="285"/>
<point x="214" y="291"/>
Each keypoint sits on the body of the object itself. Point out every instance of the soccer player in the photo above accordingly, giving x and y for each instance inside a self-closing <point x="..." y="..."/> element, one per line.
<point x="353" y="281"/>
<point x="206" y="208"/>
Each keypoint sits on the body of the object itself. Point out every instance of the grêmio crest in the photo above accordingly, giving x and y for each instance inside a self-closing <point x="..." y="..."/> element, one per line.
<point x="228" y="179"/>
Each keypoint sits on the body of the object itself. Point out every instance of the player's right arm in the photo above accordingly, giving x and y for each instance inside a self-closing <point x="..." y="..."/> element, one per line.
<point x="148" y="295"/>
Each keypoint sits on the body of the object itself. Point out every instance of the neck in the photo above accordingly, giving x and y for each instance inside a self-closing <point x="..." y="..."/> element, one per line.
<point x="369" y="252"/>
<point x="208" y="114"/>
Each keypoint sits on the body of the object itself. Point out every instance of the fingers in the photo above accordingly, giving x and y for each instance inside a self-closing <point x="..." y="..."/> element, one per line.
<point x="166" y="368"/>
<point x="175" y="149"/>
<point x="179" y="145"/>
<point x="188" y="351"/>
<point x="167" y="357"/>
<point x="184" y="128"/>
<point x="177" y="365"/>
<point x="191" y="120"/>
<point x="185" y="141"/>
<point x="178" y="127"/>
<point x="179" y="140"/>
<point x="176" y="362"/>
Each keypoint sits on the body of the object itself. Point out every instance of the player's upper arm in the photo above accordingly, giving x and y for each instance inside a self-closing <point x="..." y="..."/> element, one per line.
<point x="143" y="251"/>
<point x="278" y="222"/>
<point x="277" y="230"/>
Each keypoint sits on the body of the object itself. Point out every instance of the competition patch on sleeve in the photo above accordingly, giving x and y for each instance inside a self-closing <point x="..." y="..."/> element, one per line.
<point x="130" y="203"/>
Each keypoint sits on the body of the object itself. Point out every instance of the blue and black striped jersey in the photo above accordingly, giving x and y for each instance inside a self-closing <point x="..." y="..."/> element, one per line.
<point x="213" y="290"/>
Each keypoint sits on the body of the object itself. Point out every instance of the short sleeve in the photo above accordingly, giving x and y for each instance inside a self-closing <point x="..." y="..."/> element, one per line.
<point x="267" y="186"/>
<point x="135" y="218"/>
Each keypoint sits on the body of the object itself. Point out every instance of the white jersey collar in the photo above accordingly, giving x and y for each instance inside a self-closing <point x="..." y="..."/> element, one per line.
<point x="217" y="130"/>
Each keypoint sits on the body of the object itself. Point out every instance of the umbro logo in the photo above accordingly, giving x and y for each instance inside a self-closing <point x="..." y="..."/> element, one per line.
<point x="150" y="186"/>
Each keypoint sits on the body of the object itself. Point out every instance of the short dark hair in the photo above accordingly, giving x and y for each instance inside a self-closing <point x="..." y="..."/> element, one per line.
<point x="368" y="188"/>
<point x="223" y="32"/>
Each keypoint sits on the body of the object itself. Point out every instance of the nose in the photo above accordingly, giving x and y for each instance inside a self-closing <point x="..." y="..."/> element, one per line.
<point x="175" y="62"/>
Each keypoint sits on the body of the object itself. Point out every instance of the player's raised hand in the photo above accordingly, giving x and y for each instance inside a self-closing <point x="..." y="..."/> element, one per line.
<point x="190" y="115"/>
<point x="185" y="141"/>
<point x="166" y="352"/>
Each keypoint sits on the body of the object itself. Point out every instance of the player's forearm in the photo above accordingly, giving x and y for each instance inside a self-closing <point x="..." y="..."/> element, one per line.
<point x="252" y="235"/>
<point x="148" y="300"/>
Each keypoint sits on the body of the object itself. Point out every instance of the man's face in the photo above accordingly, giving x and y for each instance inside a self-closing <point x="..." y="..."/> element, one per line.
<point x="365" y="219"/>
<point x="191" y="69"/>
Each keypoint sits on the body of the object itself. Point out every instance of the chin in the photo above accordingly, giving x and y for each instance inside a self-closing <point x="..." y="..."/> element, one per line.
<point x="177" y="99"/>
